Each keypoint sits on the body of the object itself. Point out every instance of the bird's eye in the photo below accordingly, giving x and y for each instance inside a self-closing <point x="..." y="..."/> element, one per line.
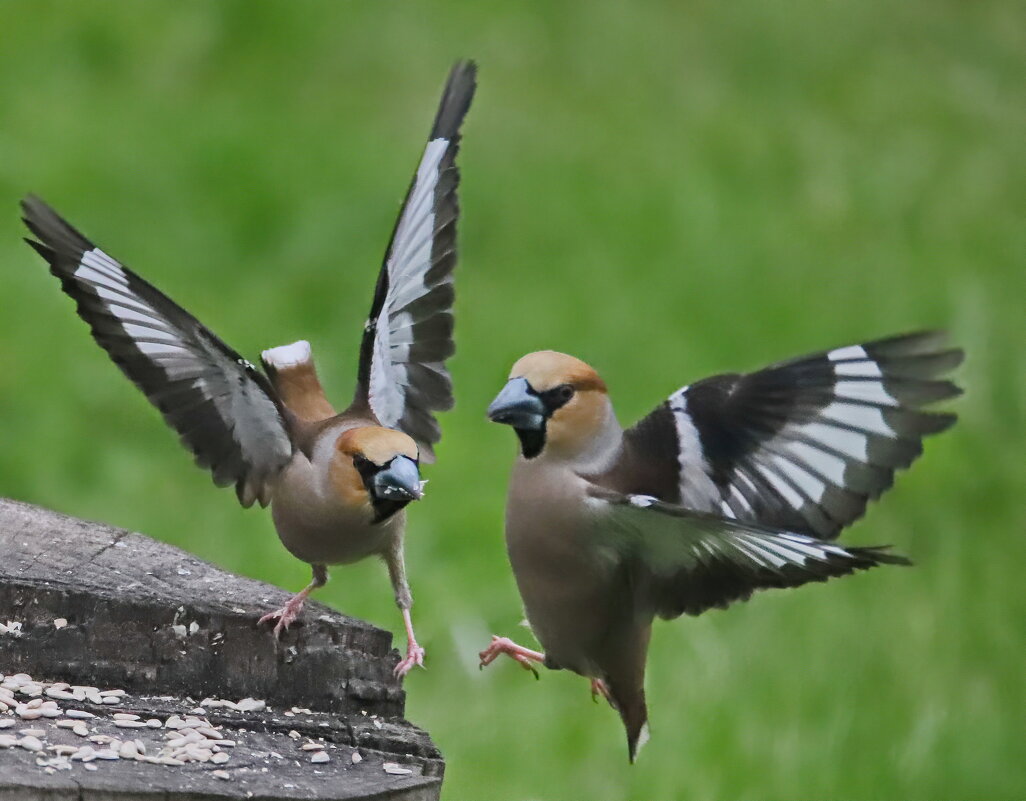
<point x="556" y="397"/>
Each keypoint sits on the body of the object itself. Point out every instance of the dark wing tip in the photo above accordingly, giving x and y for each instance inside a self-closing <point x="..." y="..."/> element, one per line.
<point x="40" y="248"/>
<point x="880" y="555"/>
<point x="51" y="229"/>
<point x="456" y="98"/>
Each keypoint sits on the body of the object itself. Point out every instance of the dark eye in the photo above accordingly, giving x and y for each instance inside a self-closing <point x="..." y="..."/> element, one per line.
<point x="564" y="393"/>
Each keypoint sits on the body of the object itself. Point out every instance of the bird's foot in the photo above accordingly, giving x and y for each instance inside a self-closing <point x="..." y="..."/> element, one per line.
<point x="414" y="657"/>
<point x="285" y="616"/>
<point x="504" y="645"/>
<point x="598" y="687"/>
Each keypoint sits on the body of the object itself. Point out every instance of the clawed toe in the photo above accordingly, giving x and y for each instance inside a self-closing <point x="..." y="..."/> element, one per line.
<point x="285" y="617"/>
<point x="599" y="688"/>
<point x="414" y="658"/>
<point x="503" y="645"/>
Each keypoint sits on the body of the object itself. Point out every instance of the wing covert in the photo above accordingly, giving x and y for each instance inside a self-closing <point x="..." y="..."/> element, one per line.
<point x="223" y="409"/>
<point x="408" y="336"/>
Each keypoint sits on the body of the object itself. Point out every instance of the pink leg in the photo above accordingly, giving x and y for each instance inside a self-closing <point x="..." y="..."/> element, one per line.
<point x="598" y="687"/>
<point x="288" y="613"/>
<point x="503" y="645"/>
<point x="414" y="653"/>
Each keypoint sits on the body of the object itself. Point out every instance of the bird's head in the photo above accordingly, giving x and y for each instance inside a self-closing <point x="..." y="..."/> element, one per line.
<point x="379" y="466"/>
<point x="555" y="403"/>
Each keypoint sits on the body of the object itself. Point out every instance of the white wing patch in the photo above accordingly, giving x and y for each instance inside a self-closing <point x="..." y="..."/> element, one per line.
<point x="697" y="488"/>
<point x="804" y="444"/>
<point x="408" y="263"/>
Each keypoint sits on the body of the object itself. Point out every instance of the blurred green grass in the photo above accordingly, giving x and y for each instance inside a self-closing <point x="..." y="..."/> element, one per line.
<point x="666" y="190"/>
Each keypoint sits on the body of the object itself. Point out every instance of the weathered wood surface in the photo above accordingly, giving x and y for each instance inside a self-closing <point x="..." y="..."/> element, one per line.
<point x="171" y="630"/>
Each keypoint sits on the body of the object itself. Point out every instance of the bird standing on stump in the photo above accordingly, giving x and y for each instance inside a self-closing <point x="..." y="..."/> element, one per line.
<point x="734" y="484"/>
<point x="338" y="484"/>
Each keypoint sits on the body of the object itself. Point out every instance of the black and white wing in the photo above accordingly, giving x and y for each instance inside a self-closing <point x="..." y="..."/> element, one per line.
<point x="408" y="335"/>
<point x="802" y="445"/>
<point x="225" y="411"/>
<point x="685" y="562"/>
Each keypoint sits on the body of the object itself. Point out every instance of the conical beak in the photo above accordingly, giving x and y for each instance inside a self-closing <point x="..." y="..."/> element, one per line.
<point x="518" y="406"/>
<point x="399" y="480"/>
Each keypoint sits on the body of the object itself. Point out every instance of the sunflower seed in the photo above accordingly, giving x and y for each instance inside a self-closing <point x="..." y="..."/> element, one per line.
<point x="251" y="705"/>
<point x="30" y="743"/>
<point x="221" y="774"/>
<point x="220" y="759"/>
<point x="84" y="754"/>
<point x="320" y="756"/>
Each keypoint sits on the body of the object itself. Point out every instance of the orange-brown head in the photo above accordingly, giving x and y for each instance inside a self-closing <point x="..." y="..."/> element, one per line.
<point x="377" y="465"/>
<point x="555" y="402"/>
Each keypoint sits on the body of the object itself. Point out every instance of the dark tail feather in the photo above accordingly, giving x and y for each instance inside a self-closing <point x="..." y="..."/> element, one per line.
<point x="634" y="715"/>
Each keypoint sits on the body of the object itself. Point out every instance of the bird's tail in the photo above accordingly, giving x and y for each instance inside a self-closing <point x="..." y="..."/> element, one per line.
<point x="634" y="714"/>
<point x="292" y="372"/>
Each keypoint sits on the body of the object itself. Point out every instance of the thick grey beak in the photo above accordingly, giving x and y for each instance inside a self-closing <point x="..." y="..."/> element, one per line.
<point x="398" y="481"/>
<point x="518" y="406"/>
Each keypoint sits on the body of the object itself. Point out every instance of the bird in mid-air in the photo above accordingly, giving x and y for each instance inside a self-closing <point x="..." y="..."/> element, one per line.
<point x="734" y="484"/>
<point x="338" y="484"/>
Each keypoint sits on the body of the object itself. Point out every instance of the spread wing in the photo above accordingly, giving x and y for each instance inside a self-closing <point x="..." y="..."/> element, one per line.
<point x="223" y="409"/>
<point x="408" y="335"/>
<point x="802" y="445"/>
<point x="685" y="562"/>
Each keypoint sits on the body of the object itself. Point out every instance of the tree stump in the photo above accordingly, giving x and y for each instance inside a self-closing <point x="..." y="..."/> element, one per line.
<point x="87" y="610"/>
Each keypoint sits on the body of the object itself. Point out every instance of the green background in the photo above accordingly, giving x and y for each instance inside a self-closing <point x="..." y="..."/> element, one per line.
<point x="666" y="190"/>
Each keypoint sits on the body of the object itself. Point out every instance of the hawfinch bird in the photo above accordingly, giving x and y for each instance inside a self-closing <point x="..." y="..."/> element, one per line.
<point x="338" y="484"/>
<point x="733" y="484"/>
